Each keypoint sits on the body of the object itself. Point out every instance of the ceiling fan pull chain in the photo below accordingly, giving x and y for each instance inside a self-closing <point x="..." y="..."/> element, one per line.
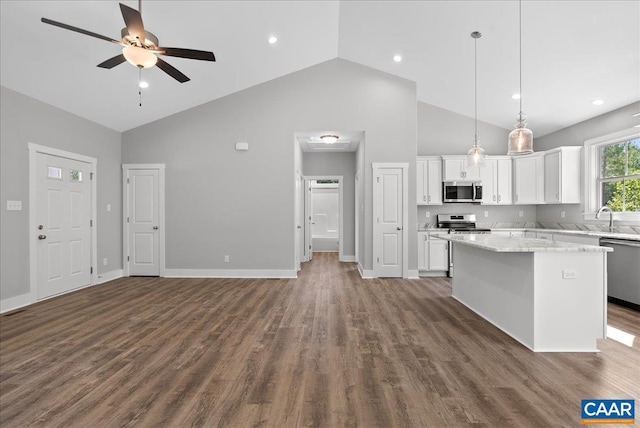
<point x="140" y="85"/>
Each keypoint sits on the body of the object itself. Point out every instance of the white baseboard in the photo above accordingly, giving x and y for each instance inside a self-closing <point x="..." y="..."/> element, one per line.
<point x="413" y="274"/>
<point x="109" y="276"/>
<point x="365" y="274"/>
<point x="230" y="273"/>
<point x="348" y="259"/>
<point x="432" y="273"/>
<point x="13" y="303"/>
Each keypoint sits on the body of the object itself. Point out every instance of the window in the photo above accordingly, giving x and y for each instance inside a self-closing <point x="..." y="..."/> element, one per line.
<point x="75" y="175"/>
<point x="55" y="173"/>
<point x="619" y="176"/>
<point x="612" y="174"/>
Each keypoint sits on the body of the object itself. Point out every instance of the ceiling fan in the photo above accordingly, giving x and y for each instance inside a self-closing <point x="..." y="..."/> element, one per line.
<point x="140" y="47"/>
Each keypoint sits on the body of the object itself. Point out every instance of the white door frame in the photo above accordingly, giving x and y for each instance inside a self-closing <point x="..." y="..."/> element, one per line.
<point x="357" y="217"/>
<point x="34" y="149"/>
<point x="405" y="216"/>
<point x="299" y="220"/>
<point x="340" y="179"/>
<point x="125" y="209"/>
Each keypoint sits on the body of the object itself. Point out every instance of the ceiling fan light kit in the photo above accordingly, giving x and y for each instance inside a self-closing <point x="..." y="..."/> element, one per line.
<point x="140" y="47"/>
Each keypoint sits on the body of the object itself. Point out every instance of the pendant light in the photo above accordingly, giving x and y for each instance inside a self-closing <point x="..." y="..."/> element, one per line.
<point x="521" y="138"/>
<point x="475" y="156"/>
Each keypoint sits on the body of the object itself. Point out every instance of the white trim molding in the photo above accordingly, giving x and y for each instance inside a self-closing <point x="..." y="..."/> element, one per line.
<point x="365" y="274"/>
<point x="109" y="276"/>
<point x="161" y="215"/>
<point x="590" y="174"/>
<point x="34" y="149"/>
<point x="17" y="302"/>
<point x="231" y="273"/>
<point x="348" y="259"/>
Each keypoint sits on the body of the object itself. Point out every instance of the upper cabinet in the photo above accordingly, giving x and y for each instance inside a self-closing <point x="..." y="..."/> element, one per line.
<point x="496" y="176"/>
<point x="456" y="169"/>
<point x="528" y="179"/>
<point x="429" y="186"/>
<point x="562" y="175"/>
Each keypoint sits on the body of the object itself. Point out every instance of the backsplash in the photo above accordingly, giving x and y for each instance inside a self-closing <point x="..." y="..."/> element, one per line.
<point x="546" y="225"/>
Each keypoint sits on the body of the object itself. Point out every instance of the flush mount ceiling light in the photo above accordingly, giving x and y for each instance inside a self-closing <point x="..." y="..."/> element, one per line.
<point x="597" y="102"/>
<point x="521" y="138"/>
<point x="329" y="138"/>
<point x="397" y="58"/>
<point x="273" y="40"/>
<point x="475" y="156"/>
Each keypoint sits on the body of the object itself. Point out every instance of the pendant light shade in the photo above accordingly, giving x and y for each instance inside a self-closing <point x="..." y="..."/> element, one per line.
<point x="475" y="155"/>
<point x="521" y="138"/>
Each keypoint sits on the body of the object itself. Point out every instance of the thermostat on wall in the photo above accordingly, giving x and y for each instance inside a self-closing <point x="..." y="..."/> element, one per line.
<point x="242" y="146"/>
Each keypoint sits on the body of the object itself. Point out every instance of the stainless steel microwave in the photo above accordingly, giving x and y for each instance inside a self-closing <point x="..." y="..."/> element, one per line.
<point x="462" y="191"/>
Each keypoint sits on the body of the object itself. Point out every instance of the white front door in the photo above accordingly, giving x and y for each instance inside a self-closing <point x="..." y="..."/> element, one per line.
<point x="143" y="222"/>
<point x="63" y="217"/>
<point x="388" y="257"/>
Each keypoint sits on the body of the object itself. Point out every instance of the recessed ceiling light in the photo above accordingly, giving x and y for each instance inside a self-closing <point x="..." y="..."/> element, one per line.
<point x="597" y="102"/>
<point x="273" y="40"/>
<point x="515" y="96"/>
<point x="397" y="58"/>
<point x="143" y="84"/>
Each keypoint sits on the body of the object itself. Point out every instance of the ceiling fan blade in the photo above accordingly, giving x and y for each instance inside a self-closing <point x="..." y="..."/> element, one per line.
<point x="188" y="53"/>
<point x="172" y="71"/>
<point x="79" y="30"/>
<point x="133" y="21"/>
<point x="112" y="62"/>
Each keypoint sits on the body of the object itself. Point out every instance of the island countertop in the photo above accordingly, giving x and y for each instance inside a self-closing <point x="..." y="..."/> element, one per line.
<point x="514" y="244"/>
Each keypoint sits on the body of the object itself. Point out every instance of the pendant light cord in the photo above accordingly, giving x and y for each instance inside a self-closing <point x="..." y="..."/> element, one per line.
<point x="475" y="90"/>
<point x="520" y="41"/>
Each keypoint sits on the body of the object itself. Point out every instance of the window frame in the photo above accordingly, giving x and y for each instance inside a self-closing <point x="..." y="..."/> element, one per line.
<point x="591" y="168"/>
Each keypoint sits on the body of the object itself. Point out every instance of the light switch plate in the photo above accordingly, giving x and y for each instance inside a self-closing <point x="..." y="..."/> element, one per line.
<point x="14" y="205"/>
<point x="569" y="274"/>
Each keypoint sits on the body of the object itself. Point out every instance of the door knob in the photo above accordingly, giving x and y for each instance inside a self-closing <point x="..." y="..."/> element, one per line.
<point x="40" y="227"/>
<point x="399" y="228"/>
<point x="41" y="237"/>
<point x="155" y="227"/>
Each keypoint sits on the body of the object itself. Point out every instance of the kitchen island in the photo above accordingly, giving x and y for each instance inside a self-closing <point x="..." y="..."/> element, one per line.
<point x="550" y="296"/>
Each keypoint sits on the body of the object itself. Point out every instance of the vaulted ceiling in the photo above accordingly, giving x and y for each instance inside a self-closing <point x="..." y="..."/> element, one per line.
<point x="573" y="52"/>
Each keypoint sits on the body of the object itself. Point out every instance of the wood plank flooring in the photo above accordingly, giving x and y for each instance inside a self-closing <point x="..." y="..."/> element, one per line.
<point x="327" y="349"/>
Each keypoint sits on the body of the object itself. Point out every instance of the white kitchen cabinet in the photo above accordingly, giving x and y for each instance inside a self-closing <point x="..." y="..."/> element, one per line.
<point x="562" y="175"/>
<point x="433" y="253"/>
<point x="423" y="250"/>
<point x="496" y="179"/>
<point x="429" y="185"/>
<point x="455" y="168"/>
<point x="528" y="179"/>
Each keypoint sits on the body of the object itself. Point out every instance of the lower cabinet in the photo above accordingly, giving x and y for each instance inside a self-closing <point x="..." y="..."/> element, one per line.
<point x="433" y="253"/>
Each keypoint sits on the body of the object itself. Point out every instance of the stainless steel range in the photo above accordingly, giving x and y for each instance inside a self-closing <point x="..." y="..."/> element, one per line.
<point x="458" y="224"/>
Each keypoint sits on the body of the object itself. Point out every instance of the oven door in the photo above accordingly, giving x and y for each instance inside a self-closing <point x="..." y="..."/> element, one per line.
<point x="458" y="192"/>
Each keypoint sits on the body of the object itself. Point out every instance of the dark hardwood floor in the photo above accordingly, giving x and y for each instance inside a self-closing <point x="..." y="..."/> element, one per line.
<point x="326" y="349"/>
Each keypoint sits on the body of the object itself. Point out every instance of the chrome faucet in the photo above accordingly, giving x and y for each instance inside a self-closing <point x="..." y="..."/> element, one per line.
<point x="605" y="208"/>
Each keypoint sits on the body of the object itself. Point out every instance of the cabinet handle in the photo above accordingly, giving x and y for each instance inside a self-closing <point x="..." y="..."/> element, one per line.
<point x="494" y="197"/>
<point x="429" y="199"/>
<point x="499" y="198"/>
<point x="424" y="198"/>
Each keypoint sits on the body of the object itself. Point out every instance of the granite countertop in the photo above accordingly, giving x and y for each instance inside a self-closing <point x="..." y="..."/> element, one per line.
<point x="508" y="244"/>
<point x="593" y="233"/>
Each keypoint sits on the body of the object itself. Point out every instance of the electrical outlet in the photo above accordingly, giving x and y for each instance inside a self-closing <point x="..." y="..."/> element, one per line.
<point x="226" y="259"/>
<point x="14" y="205"/>
<point x="486" y="213"/>
<point x="105" y="261"/>
<point x="521" y="213"/>
<point x="569" y="274"/>
<point x="428" y="214"/>
<point x="562" y="214"/>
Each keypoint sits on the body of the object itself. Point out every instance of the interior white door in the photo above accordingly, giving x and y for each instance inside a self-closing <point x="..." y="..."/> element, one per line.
<point x="308" y="215"/>
<point x="143" y="222"/>
<point x="390" y="220"/>
<point x="63" y="215"/>
<point x="299" y="215"/>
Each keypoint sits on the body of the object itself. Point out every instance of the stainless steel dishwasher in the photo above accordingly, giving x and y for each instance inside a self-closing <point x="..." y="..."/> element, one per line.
<point x="623" y="270"/>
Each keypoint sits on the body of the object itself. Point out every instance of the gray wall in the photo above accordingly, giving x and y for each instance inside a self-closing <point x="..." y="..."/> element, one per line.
<point x="576" y="135"/>
<point x="443" y="132"/>
<point x="25" y="120"/>
<point x="242" y="203"/>
<point x="343" y="164"/>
